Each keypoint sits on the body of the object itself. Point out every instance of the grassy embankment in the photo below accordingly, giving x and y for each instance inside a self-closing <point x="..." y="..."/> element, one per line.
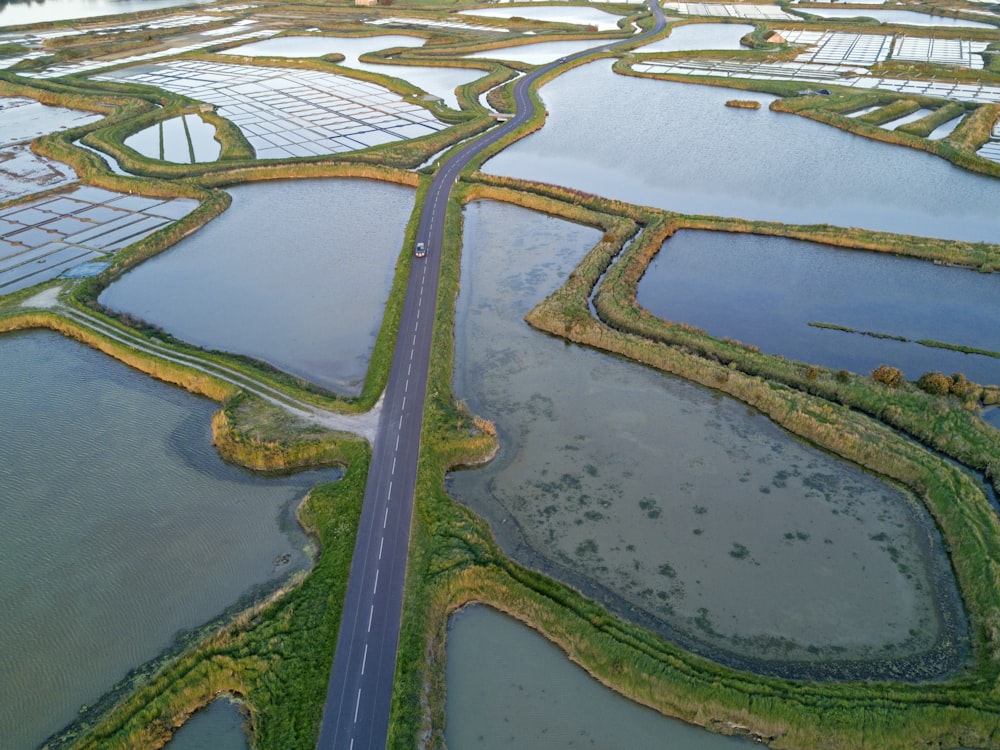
<point x="454" y="561"/>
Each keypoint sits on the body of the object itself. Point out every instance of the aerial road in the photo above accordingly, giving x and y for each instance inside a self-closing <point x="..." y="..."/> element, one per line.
<point x="359" y="696"/>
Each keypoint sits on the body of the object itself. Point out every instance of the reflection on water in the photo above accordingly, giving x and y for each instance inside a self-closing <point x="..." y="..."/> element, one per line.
<point x="218" y="726"/>
<point x="698" y="36"/>
<point x="439" y="82"/>
<point x="39" y="11"/>
<point x="682" y="510"/>
<point x="121" y="526"/>
<point x="509" y="687"/>
<point x="574" y="14"/>
<point x="294" y="273"/>
<point x="903" y="17"/>
<point x="766" y="290"/>
<point x="536" y="54"/>
<point x="677" y="146"/>
<point x="182" y="140"/>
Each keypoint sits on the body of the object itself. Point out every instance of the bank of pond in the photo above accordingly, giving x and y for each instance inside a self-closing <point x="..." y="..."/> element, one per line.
<point x="681" y="510"/>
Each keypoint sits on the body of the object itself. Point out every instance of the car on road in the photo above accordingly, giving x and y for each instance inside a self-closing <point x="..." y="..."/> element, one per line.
<point x="421" y="250"/>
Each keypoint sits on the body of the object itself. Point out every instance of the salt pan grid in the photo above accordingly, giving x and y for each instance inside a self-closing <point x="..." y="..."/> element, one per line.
<point x="942" y="51"/>
<point x="840" y="75"/>
<point x="839" y="48"/>
<point x="85" y="66"/>
<point x="41" y="239"/>
<point x="433" y="24"/>
<point x="284" y="112"/>
<point x="725" y="10"/>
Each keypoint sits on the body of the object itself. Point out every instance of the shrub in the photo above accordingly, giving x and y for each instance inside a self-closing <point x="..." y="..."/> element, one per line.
<point x="843" y="376"/>
<point x="935" y="383"/>
<point x="887" y="375"/>
<point x="960" y="386"/>
<point x="812" y="373"/>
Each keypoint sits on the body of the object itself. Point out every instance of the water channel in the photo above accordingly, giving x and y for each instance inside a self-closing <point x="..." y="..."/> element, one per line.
<point x="509" y="687"/>
<point x="677" y="146"/>
<point x="121" y="527"/>
<point x="767" y="290"/>
<point x="680" y="509"/>
<point x="295" y="273"/>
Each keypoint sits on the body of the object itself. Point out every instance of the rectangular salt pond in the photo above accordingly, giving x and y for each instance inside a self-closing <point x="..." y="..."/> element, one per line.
<point x="41" y="239"/>
<point x="293" y="107"/>
<point x="902" y="17"/>
<point x="295" y="273"/>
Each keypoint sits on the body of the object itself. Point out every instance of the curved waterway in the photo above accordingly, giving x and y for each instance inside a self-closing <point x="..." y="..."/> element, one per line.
<point x="509" y="687"/>
<point x="294" y="273"/>
<point x="677" y="146"/>
<point x="680" y="509"/>
<point x="767" y="290"/>
<point x="121" y="527"/>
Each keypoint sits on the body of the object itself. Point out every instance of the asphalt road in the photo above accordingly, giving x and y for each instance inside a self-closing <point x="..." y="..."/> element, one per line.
<point x="359" y="696"/>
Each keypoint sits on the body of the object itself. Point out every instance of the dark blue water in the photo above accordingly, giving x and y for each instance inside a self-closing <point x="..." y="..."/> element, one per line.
<point x="766" y="290"/>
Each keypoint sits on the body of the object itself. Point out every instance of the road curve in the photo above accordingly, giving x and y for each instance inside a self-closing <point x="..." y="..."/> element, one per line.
<point x="359" y="696"/>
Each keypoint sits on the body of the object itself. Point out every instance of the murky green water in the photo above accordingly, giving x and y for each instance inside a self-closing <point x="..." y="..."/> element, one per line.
<point x="295" y="273"/>
<point x="683" y="510"/>
<point x="121" y="527"/>
<point x="509" y="687"/>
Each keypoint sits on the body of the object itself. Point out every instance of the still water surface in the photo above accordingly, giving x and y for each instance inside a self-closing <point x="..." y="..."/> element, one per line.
<point x="508" y="687"/>
<point x="21" y="12"/>
<point x="677" y="146"/>
<point x="902" y="17"/>
<point x="218" y="726"/>
<point x="574" y="14"/>
<point x="766" y="290"/>
<point x="440" y="82"/>
<point x="182" y="140"/>
<point x="698" y="36"/>
<point x="121" y="526"/>
<point x="294" y="273"/>
<point x="682" y="510"/>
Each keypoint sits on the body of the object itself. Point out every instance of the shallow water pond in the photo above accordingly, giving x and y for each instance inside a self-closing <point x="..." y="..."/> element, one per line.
<point x="699" y="36"/>
<point x="680" y="509"/>
<point x="680" y="148"/>
<point x="122" y="527"/>
<point x="217" y="726"/>
<point x="509" y="687"/>
<point x="538" y="53"/>
<point x="295" y="273"/>
<point x="903" y="17"/>
<point x="439" y="82"/>
<point x="767" y="290"/>
<point x="574" y="14"/>
<point x="18" y="13"/>
<point x="182" y="140"/>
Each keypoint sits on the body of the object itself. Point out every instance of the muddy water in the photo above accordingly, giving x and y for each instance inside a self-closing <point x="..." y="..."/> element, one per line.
<point x="294" y="273"/>
<point x="121" y="527"/>
<point x="680" y="509"/>
<point x="509" y="687"/>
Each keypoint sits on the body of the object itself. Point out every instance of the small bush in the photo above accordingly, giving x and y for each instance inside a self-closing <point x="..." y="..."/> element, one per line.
<point x="935" y="383"/>
<point x="843" y="376"/>
<point x="888" y="375"/>
<point x="960" y="386"/>
<point x="812" y="373"/>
